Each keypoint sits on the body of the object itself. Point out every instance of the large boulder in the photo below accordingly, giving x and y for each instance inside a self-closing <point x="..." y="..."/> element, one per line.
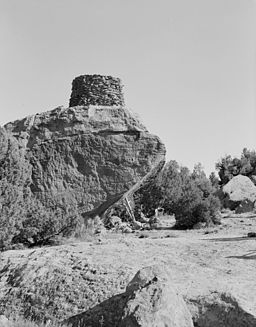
<point x="240" y="194"/>
<point x="150" y="300"/>
<point x="89" y="155"/>
<point x="154" y="302"/>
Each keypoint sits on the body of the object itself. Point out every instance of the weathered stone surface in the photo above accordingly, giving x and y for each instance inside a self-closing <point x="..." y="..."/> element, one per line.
<point x="240" y="194"/>
<point x="154" y="302"/>
<point x="90" y="278"/>
<point x="15" y="173"/>
<point x="96" y="90"/>
<point x="150" y="300"/>
<point x="85" y="156"/>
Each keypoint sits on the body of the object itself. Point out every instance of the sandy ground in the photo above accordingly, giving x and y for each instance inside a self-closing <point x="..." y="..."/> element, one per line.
<point x="220" y="258"/>
<point x="201" y="262"/>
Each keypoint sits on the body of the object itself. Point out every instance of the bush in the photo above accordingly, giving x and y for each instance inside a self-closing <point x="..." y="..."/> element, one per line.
<point x="31" y="224"/>
<point x="198" y="204"/>
<point x="24" y="220"/>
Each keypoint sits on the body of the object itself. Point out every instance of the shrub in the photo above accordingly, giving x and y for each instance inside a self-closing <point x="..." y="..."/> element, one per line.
<point x="198" y="204"/>
<point x="23" y="218"/>
<point x="31" y="224"/>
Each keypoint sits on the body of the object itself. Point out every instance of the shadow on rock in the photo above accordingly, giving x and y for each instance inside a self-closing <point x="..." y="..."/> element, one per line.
<point x="108" y="314"/>
<point x="150" y="300"/>
<point x="230" y="239"/>
<point x="224" y="310"/>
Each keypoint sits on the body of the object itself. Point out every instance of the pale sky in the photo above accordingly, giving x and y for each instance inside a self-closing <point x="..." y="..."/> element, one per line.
<point x="188" y="66"/>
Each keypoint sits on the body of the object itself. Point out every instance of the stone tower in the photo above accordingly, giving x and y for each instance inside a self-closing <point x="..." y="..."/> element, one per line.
<point x="96" y="90"/>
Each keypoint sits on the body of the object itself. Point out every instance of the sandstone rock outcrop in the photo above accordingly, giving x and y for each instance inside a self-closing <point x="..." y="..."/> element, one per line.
<point x="89" y="155"/>
<point x="150" y="300"/>
<point x="154" y="302"/>
<point x="240" y="194"/>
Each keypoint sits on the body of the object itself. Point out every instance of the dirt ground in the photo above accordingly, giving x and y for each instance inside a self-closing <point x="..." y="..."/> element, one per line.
<point x="220" y="258"/>
<point x="200" y="262"/>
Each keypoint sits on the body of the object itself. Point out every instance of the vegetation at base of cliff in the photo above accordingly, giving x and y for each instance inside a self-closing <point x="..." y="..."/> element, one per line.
<point x="31" y="224"/>
<point x="229" y="167"/>
<point x="189" y="196"/>
<point x="24" y="220"/>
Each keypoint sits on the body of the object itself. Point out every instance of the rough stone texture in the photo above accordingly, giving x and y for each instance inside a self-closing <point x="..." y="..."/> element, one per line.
<point x="63" y="281"/>
<point x="154" y="302"/>
<point x="150" y="300"/>
<point x="96" y="90"/>
<point x="240" y="194"/>
<point x="15" y="173"/>
<point x="85" y="156"/>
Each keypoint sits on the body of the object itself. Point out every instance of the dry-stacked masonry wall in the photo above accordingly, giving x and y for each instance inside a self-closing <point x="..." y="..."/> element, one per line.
<point x="96" y="90"/>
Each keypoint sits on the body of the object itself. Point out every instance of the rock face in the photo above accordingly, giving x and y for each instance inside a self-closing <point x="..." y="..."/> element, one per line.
<point x="86" y="156"/>
<point x="153" y="301"/>
<point x="150" y="300"/>
<point x="240" y="194"/>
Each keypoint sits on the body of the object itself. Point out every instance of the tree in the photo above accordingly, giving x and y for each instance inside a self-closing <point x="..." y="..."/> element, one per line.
<point x="169" y="185"/>
<point x="229" y="167"/>
<point x="223" y="167"/>
<point x="214" y="181"/>
<point x="189" y="196"/>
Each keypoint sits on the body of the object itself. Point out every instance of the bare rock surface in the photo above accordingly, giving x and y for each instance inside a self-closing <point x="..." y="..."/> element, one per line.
<point x="240" y="193"/>
<point x="150" y="300"/>
<point x="154" y="302"/>
<point x="75" y="278"/>
<point x="85" y="156"/>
